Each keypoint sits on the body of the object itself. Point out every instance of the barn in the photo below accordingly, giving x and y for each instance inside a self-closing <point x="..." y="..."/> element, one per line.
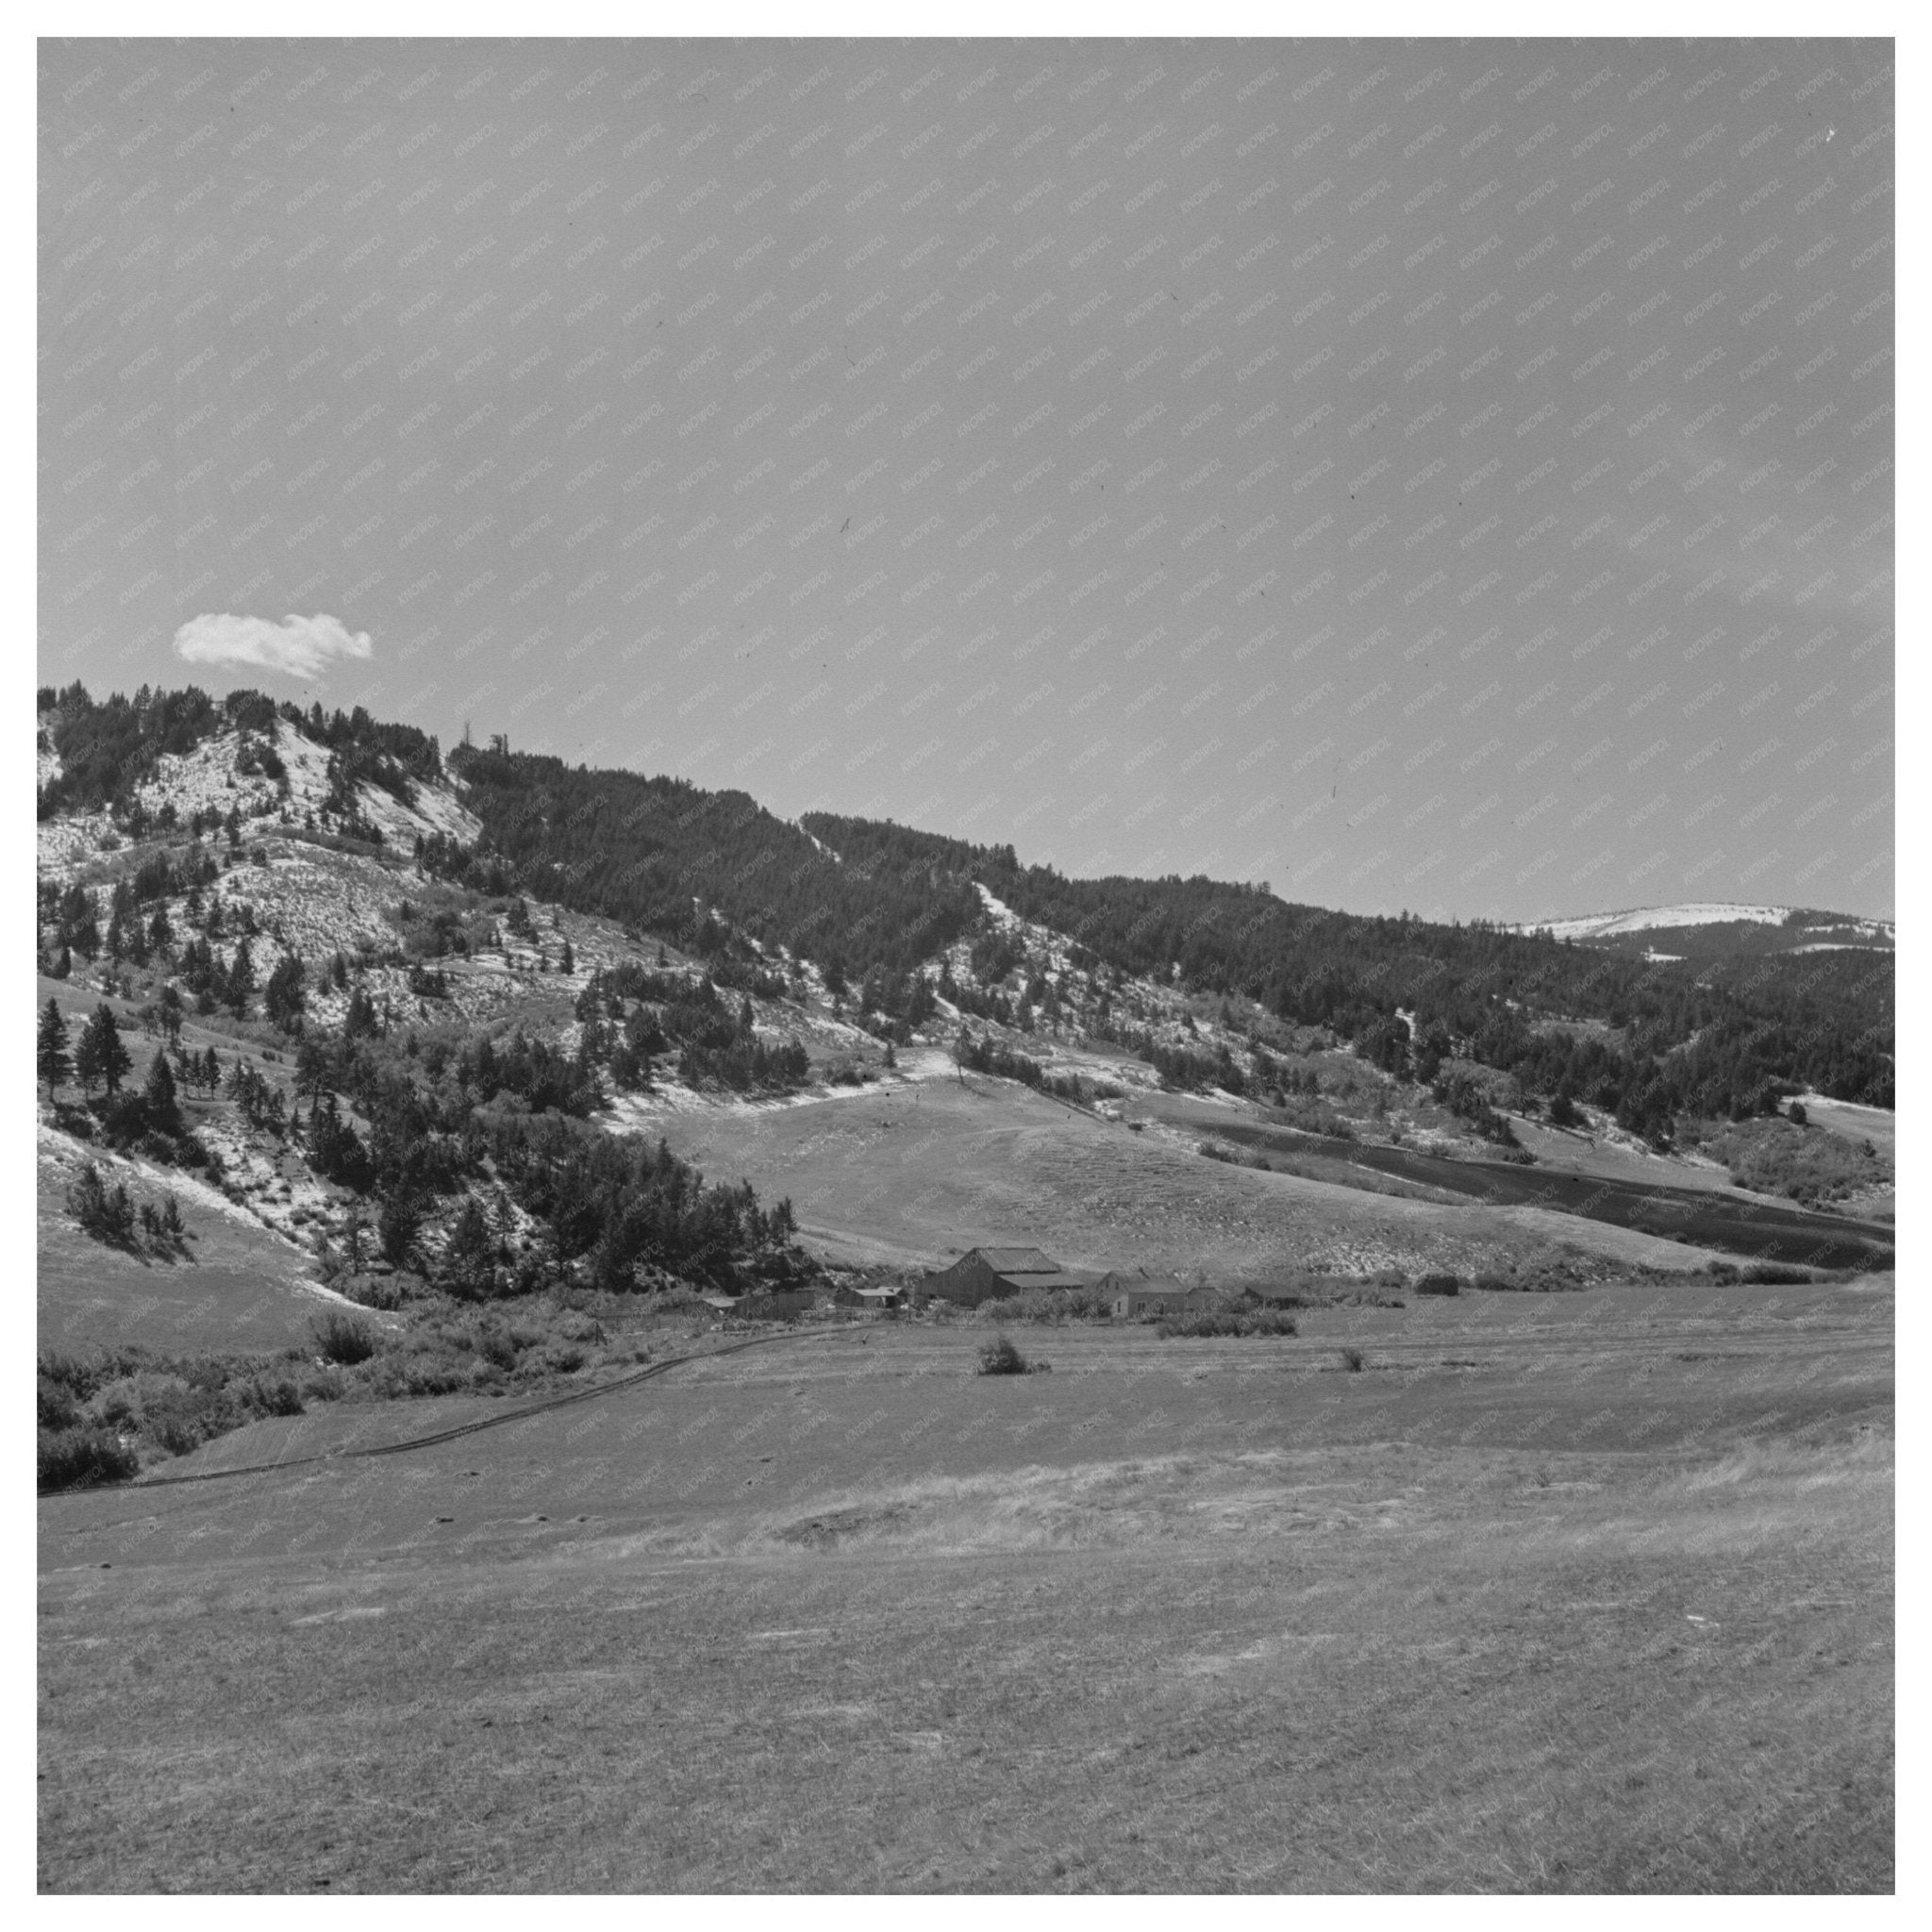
<point x="987" y="1273"/>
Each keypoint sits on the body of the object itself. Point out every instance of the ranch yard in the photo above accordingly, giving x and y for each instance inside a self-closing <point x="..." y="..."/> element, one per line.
<point x="1556" y="1592"/>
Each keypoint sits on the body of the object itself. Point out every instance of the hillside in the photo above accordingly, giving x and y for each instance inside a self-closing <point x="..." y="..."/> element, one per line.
<point x="481" y="1026"/>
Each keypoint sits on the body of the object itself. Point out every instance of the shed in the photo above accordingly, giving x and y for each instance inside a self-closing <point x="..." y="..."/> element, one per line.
<point x="781" y="1307"/>
<point x="1276" y="1294"/>
<point x="884" y="1300"/>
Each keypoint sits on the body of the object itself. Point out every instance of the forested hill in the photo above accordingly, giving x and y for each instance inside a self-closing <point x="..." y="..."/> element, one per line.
<point x="872" y="902"/>
<point x="859" y="896"/>
<point x="661" y="855"/>
<point x="1706" y="1039"/>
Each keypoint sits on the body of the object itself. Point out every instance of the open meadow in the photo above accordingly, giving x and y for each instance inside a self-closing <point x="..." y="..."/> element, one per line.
<point x="1578" y="1591"/>
<point x="909" y="1174"/>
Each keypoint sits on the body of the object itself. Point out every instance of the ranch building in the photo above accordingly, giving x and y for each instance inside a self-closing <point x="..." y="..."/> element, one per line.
<point x="989" y="1274"/>
<point x="1134" y="1298"/>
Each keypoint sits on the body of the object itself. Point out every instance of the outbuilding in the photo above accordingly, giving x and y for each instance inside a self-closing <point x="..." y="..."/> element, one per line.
<point x="782" y="1306"/>
<point x="884" y="1300"/>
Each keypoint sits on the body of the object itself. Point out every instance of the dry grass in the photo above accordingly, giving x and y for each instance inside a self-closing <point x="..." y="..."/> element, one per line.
<point x="238" y="1285"/>
<point x="895" y="1174"/>
<point x="1593" y="1594"/>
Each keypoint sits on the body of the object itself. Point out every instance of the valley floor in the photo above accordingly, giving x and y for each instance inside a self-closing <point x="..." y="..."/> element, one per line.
<point x="1588" y="1591"/>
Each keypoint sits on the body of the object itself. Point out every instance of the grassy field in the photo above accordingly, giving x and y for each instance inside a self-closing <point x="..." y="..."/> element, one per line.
<point x="911" y="1174"/>
<point x="1556" y="1592"/>
<point x="238" y="1287"/>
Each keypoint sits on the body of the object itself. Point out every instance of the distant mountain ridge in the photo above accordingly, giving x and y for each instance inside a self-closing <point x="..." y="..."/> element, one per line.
<point x="1712" y="929"/>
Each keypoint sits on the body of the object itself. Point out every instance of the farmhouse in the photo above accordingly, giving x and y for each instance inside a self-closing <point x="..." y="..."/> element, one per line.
<point x="1134" y="1297"/>
<point x="986" y="1273"/>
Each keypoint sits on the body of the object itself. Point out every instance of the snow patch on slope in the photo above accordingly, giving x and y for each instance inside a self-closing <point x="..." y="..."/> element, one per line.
<point x="1856" y="932"/>
<point x="1649" y="918"/>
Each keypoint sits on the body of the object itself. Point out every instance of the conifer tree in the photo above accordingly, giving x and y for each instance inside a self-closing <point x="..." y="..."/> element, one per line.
<point x="52" y="1060"/>
<point x="159" y="1090"/>
<point x="240" y="980"/>
<point x="100" y="1055"/>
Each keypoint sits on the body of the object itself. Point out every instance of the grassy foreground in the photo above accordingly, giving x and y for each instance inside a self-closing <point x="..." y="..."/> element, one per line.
<point x="1575" y="1592"/>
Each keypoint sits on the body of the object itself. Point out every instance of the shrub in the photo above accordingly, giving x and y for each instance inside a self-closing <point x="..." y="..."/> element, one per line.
<point x="125" y="1118"/>
<point x="378" y="1291"/>
<point x="679" y="1298"/>
<point x="79" y="1458"/>
<point x="55" y="1405"/>
<point x="272" y="1395"/>
<point x="1225" y="1321"/>
<point x="495" y="1345"/>
<point x="1437" y="1284"/>
<point x="342" y="1339"/>
<point x="1767" y="1274"/>
<point x="1001" y="1358"/>
<point x="1547" y="1279"/>
<point x="1807" y="1165"/>
<point x="1353" y="1361"/>
<point x="1051" y="1305"/>
<point x="401" y="1373"/>
<point x="106" y="1213"/>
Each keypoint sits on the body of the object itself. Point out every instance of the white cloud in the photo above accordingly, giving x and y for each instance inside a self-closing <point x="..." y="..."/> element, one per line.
<point x="298" y="646"/>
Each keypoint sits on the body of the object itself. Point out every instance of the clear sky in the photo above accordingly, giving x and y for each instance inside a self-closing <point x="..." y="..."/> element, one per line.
<point x="1441" y="476"/>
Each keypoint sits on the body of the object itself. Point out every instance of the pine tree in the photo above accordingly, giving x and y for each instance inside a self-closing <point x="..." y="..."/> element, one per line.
<point x="100" y="1055"/>
<point x="79" y="924"/>
<point x="159" y="1090"/>
<point x="469" y="1255"/>
<point x="284" y="999"/>
<point x="52" y="1060"/>
<point x="240" y="980"/>
<point x="568" y="963"/>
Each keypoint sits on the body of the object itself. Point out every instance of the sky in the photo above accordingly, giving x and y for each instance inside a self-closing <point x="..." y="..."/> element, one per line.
<point x="1442" y="477"/>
